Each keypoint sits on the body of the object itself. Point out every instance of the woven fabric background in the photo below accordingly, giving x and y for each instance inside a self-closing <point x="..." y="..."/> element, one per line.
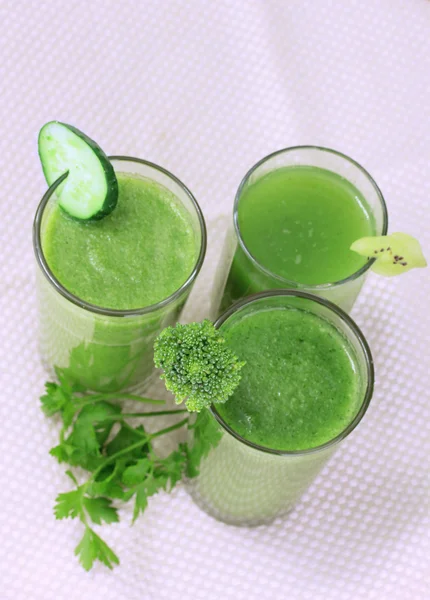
<point x="206" y="88"/>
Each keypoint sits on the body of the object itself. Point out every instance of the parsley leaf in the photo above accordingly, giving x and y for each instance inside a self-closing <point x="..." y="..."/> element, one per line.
<point x="108" y="481"/>
<point x="128" y="436"/>
<point x="174" y="465"/>
<point x="100" y="509"/>
<point x="69" y="504"/>
<point x="99" y="415"/>
<point x="150" y="486"/>
<point x="92" y="548"/>
<point x="83" y="447"/>
<point x="54" y="400"/>
<point x="143" y="483"/>
<point x="68" y="383"/>
<point x="136" y="473"/>
<point x="59" y="400"/>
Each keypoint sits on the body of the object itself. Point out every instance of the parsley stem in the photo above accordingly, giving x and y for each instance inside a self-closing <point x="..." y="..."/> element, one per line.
<point x="157" y="413"/>
<point x="133" y="430"/>
<point x="145" y="439"/>
<point x="168" y="429"/>
<point x="90" y="398"/>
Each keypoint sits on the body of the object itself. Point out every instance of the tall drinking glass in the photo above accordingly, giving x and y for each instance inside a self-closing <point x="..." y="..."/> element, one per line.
<point x="244" y="483"/>
<point x="242" y="273"/>
<point x="106" y="349"/>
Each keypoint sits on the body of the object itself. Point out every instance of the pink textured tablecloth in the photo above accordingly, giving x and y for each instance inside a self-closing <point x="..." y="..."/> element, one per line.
<point x="206" y="89"/>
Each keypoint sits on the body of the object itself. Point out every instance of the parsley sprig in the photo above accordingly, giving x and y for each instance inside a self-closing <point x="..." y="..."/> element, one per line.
<point x="121" y="462"/>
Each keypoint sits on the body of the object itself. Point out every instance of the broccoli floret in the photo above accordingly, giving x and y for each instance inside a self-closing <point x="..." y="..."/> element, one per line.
<point x="198" y="366"/>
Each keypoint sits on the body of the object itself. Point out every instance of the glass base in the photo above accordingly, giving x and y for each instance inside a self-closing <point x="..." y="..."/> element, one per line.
<point x="227" y="519"/>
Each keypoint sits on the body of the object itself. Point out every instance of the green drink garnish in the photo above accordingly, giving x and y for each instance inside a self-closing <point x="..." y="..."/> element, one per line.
<point x="394" y="254"/>
<point x="90" y="190"/>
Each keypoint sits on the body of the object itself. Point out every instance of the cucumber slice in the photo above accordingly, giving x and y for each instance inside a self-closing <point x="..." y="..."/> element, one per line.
<point x="90" y="191"/>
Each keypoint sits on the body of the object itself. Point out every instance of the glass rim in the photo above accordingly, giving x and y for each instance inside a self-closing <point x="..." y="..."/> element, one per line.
<point x="111" y="312"/>
<point x="291" y="282"/>
<point x="345" y="318"/>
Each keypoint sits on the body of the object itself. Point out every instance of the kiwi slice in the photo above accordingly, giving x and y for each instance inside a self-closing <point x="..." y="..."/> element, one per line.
<point x="395" y="253"/>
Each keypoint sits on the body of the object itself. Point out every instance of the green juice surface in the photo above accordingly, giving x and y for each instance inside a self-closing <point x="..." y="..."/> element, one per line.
<point x="135" y="257"/>
<point x="299" y="223"/>
<point x="299" y="387"/>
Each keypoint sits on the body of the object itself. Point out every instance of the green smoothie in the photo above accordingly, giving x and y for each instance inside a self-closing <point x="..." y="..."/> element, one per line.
<point x="298" y="223"/>
<point x="138" y="255"/>
<point x="306" y="384"/>
<point x="299" y="386"/>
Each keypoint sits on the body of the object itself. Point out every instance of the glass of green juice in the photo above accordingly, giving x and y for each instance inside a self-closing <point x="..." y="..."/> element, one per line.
<point x="296" y="214"/>
<point x="107" y="288"/>
<point x="307" y="382"/>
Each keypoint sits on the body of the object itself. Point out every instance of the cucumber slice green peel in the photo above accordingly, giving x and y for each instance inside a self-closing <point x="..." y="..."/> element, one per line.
<point x="394" y="254"/>
<point x="90" y="190"/>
